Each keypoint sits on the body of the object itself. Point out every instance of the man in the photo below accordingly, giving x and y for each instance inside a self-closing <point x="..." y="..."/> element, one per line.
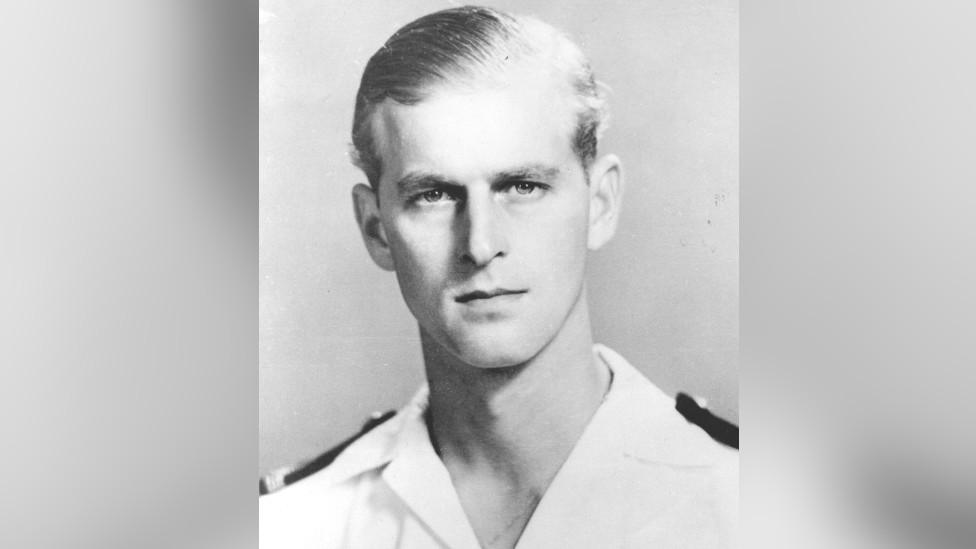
<point x="477" y="132"/>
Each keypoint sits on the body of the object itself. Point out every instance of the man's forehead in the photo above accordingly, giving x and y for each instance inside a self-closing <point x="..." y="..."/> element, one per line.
<point x="486" y="128"/>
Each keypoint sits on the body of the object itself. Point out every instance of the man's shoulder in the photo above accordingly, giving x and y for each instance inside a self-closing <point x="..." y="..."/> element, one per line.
<point x="684" y="464"/>
<point x="687" y="435"/>
<point x="305" y="505"/>
<point x="673" y="436"/>
<point x="719" y="429"/>
<point x="368" y="437"/>
<point x="667" y="429"/>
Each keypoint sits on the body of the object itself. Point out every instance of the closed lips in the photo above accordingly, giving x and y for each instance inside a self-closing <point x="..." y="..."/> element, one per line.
<point x="481" y="294"/>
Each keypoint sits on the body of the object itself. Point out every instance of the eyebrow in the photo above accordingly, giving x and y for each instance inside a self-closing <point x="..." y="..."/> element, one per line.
<point x="533" y="172"/>
<point x="415" y="180"/>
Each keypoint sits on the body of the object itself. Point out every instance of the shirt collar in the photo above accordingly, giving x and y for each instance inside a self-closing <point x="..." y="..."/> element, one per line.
<point x="636" y="419"/>
<point x="417" y="474"/>
<point x="381" y="445"/>
<point x="635" y="425"/>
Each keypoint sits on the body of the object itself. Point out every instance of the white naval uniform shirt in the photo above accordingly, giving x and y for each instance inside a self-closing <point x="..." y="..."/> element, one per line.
<point x="639" y="476"/>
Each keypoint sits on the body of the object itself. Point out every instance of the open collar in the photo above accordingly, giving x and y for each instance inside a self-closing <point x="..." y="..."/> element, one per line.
<point x="418" y="476"/>
<point x="635" y="427"/>
<point x="637" y="419"/>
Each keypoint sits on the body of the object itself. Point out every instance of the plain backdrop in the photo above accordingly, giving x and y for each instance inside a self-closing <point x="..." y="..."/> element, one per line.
<point x="337" y="342"/>
<point x="128" y="224"/>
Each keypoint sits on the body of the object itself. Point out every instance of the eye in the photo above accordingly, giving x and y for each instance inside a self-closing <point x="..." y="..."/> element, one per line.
<point x="433" y="195"/>
<point x="525" y="187"/>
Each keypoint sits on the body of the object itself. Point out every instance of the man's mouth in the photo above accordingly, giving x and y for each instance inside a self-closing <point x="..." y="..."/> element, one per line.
<point x="486" y="294"/>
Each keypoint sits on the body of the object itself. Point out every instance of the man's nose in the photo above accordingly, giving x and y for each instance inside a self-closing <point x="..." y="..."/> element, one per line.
<point x="484" y="237"/>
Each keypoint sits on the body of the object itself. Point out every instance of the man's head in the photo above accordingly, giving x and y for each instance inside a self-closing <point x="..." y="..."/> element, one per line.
<point x="467" y="48"/>
<point x="485" y="191"/>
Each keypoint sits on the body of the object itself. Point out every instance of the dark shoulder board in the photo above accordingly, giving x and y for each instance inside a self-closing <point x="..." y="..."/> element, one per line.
<point x="719" y="429"/>
<point x="280" y="478"/>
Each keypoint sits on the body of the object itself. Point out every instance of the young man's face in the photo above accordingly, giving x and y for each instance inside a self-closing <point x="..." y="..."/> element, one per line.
<point x="484" y="208"/>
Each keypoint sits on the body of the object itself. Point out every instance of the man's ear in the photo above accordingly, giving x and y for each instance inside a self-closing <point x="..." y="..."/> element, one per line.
<point x="367" y="208"/>
<point x="606" y="194"/>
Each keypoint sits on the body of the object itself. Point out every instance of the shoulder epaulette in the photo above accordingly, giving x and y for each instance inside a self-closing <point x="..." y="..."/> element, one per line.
<point x="284" y="476"/>
<point x="719" y="429"/>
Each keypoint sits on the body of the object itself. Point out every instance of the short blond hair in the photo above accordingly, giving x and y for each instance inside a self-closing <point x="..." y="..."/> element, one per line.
<point x="471" y="45"/>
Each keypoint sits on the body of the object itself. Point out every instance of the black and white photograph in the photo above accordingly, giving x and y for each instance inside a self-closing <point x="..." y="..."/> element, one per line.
<point x="498" y="286"/>
<point x="502" y="274"/>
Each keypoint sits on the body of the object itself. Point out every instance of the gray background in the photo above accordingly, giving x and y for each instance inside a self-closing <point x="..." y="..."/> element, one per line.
<point x="128" y="224"/>
<point x="336" y="340"/>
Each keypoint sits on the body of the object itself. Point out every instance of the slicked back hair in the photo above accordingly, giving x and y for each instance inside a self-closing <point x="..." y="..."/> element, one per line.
<point x="471" y="46"/>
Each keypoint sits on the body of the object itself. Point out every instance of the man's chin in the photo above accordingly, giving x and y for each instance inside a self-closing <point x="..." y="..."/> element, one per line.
<point x="486" y="361"/>
<point x="489" y="352"/>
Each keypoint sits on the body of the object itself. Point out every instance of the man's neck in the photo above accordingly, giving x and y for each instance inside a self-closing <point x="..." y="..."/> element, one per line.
<point x="517" y="424"/>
